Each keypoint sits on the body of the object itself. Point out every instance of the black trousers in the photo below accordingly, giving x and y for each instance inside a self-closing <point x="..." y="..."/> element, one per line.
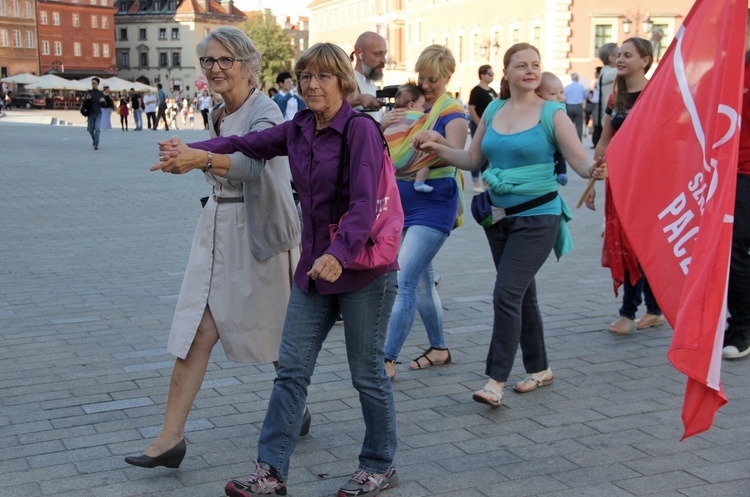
<point x="738" y="298"/>
<point x="519" y="246"/>
<point x="162" y="114"/>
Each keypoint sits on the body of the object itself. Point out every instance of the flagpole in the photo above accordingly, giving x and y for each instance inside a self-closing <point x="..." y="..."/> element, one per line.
<point x="586" y="192"/>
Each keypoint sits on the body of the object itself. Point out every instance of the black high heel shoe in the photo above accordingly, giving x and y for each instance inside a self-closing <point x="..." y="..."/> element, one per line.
<point x="306" y="420"/>
<point x="170" y="459"/>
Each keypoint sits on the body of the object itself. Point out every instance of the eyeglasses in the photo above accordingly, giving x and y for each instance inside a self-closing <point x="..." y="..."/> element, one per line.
<point x="224" y="62"/>
<point x="304" y="78"/>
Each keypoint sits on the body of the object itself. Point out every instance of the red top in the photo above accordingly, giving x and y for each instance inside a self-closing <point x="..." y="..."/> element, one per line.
<point x="743" y="160"/>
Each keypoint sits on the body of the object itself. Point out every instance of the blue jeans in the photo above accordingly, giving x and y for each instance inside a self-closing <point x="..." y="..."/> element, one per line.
<point x="416" y="290"/>
<point x="520" y="246"/>
<point x="309" y="318"/>
<point x="631" y="297"/>
<point x="93" y="127"/>
<point x="138" y="116"/>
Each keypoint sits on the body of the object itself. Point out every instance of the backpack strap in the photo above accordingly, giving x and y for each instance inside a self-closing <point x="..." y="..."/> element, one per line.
<point x="344" y="160"/>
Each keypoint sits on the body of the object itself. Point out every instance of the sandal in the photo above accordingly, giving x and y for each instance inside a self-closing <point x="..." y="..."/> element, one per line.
<point x="540" y="379"/>
<point x="622" y="326"/>
<point x="489" y="397"/>
<point x="390" y="368"/>
<point x="415" y="364"/>
<point x="650" y="321"/>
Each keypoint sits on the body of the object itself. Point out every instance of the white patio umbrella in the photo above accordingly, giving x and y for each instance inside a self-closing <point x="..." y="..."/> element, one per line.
<point x="20" y="79"/>
<point x="141" y="87"/>
<point x="87" y="81"/>
<point x="52" y="82"/>
<point x="117" y="84"/>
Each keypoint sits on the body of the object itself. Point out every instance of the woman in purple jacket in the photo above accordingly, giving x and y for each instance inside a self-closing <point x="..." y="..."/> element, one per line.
<point x="324" y="284"/>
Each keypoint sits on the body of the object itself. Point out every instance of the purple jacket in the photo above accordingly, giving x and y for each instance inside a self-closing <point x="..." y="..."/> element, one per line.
<point x="314" y="160"/>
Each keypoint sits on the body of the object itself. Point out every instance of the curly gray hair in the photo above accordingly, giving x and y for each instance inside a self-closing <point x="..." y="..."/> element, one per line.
<point x="241" y="46"/>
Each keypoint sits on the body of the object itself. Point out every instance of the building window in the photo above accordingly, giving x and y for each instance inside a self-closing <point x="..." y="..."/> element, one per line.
<point x="105" y="50"/>
<point x="15" y="6"/>
<point x="163" y="59"/>
<point x="58" y="48"/>
<point x="515" y="36"/>
<point x="175" y="33"/>
<point x="536" y="36"/>
<point x="602" y="36"/>
<point x="93" y="2"/>
<point x="4" y="39"/>
<point x="162" y="33"/>
<point x="77" y="49"/>
<point x="124" y="34"/>
<point x="143" y="59"/>
<point x="27" y="10"/>
<point x="29" y="39"/>
<point x="94" y="22"/>
<point x="42" y="17"/>
<point x="103" y="3"/>
<point x="123" y="6"/>
<point x="142" y="33"/>
<point x="419" y="31"/>
<point x="4" y="9"/>
<point x="95" y="47"/>
<point x="55" y="18"/>
<point x="17" y="38"/>
<point x="105" y="22"/>
<point x="176" y="59"/>
<point x="460" y="49"/>
<point x="45" y="48"/>
<point x="76" y="20"/>
<point x="124" y="59"/>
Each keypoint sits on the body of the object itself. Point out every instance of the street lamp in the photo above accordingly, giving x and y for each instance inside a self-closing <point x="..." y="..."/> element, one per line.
<point x="487" y="48"/>
<point x="57" y="66"/>
<point x="646" y="24"/>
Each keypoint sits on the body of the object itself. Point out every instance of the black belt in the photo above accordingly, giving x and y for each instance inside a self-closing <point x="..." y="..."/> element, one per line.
<point x="228" y="200"/>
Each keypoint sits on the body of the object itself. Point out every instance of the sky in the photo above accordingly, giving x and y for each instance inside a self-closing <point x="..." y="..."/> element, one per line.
<point x="286" y="7"/>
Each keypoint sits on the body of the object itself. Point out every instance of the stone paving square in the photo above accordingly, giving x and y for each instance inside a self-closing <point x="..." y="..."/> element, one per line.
<point x="93" y="247"/>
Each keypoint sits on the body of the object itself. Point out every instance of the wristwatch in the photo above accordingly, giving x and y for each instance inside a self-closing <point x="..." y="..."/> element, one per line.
<point x="210" y="164"/>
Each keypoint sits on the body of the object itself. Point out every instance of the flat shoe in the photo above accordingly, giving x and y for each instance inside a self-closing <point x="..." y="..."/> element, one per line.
<point x="533" y="382"/>
<point x="622" y="326"/>
<point x="649" y="321"/>
<point x="415" y="364"/>
<point x="485" y="396"/>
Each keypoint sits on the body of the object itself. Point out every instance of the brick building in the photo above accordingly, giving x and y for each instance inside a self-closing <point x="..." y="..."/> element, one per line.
<point x="18" y="38"/>
<point x="76" y="37"/>
<point x="567" y="32"/>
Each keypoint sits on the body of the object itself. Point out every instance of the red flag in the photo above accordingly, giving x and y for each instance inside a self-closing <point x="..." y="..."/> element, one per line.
<point x="672" y="173"/>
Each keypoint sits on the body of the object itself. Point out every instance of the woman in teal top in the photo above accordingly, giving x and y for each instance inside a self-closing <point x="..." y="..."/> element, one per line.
<point x="519" y="135"/>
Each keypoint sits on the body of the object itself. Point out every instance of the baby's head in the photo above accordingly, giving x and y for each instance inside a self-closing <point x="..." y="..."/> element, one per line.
<point x="551" y="88"/>
<point x="411" y="97"/>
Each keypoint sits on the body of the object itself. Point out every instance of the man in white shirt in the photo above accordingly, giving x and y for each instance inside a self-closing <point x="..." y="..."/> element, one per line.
<point x="369" y="56"/>
<point x="287" y="100"/>
<point x="575" y="100"/>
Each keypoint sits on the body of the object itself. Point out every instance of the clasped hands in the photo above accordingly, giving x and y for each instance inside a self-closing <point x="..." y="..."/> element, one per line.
<point x="177" y="158"/>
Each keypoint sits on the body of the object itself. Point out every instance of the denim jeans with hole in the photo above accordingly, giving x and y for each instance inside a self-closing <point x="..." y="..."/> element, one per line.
<point x="416" y="290"/>
<point x="93" y="127"/>
<point x="309" y="318"/>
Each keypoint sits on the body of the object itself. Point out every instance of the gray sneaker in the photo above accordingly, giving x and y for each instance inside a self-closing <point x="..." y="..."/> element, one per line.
<point x="364" y="483"/>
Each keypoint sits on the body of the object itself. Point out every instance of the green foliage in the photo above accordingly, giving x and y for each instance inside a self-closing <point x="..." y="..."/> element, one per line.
<point x="275" y="45"/>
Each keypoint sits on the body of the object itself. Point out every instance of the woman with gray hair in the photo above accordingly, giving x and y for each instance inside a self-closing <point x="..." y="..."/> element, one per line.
<point x="238" y="278"/>
<point x="324" y="282"/>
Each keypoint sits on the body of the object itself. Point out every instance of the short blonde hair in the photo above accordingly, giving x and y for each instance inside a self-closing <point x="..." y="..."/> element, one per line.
<point x="241" y="46"/>
<point x="328" y="57"/>
<point x="436" y="61"/>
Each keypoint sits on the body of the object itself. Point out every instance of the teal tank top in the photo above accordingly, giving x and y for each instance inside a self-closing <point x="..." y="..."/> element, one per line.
<point x="531" y="146"/>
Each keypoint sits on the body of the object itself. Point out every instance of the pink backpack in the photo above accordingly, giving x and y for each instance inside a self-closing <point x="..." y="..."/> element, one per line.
<point x="382" y="247"/>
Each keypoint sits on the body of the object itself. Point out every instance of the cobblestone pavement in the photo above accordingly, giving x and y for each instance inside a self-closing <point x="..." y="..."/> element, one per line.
<point x="93" y="247"/>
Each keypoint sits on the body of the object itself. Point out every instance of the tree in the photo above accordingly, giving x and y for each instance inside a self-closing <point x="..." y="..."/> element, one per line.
<point x="273" y="42"/>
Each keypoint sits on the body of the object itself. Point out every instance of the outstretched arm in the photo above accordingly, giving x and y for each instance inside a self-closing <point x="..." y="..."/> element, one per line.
<point x="432" y="142"/>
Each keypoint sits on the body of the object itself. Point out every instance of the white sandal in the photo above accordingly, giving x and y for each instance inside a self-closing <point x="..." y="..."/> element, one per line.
<point x="488" y="400"/>
<point x="533" y="382"/>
